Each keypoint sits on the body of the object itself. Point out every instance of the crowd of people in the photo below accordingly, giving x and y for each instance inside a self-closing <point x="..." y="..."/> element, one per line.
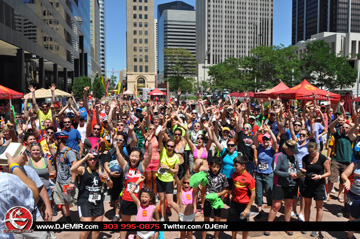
<point x="143" y="152"/>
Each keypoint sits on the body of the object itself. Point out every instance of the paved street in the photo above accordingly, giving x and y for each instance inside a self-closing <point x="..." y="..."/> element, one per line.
<point x="330" y="210"/>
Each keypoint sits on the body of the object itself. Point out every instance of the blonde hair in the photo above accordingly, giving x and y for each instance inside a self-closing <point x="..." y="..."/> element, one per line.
<point x="187" y="176"/>
<point x="289" y="142"/>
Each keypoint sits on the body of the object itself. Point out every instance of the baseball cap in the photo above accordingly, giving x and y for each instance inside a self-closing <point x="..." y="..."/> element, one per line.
<point x="252" y="117"/>
<point x="138" y="109"/>
<point x="104" y="119"/>
<point x="194" y="111"/>
<point x="267" y="135"/>
<point x="253" y="104"/>
<point x="82" y="117"/>
<point x="225" y="128"/>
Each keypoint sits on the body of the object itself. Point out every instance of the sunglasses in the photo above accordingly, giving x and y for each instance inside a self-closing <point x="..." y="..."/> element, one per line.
<point x="345" y="127"/>
<point x="298" y="125"/>
<point x="151" y="128"/>
<point x="50" y="132"/>
<point x="120" y="125"/>
<point x="177" y="134"/>
<point x="67" y="122"/>
<point x="120" y="140"/>
<point x="303" y="135"/>
<point x="96" y="129"/>
<point x="186" y="182"/>
<point x="272" y="114"/>
<point x="265" y="139"/>
<point x="246" y="128"/>
<point x="197" y="126"/>
<point x="171" y="146"/>
<point x="200" y="138"/>
<point x="93" y="159"/>
<point x="35" y="144"/>
<point x="231" y="145"/>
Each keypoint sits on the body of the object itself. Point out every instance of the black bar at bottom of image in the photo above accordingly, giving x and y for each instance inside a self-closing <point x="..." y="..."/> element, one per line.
<point x="196" y="226"/>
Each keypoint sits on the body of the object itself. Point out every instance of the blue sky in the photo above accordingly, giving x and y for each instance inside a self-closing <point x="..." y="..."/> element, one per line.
<point x="116" y="29"/>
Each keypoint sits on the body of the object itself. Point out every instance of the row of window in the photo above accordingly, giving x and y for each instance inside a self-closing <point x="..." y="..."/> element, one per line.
<point x="141" y="68"/>
<point x="140" y="8"/>
<point x="145" y="1"/>
<point x="141" y="58"/>
<point x="141" y="24"/>
<point x="140" y="16"/>
<point x="146" y="49"/>
<point x="140" y="41"/>
<point x="140" y="33"/>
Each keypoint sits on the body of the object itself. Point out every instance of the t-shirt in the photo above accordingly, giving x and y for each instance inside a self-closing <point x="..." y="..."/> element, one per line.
<point x="343" y="148"/>
<point x="74" y="136"/>
<point x="64" y="165"/>
<point x="217" y="183"/>
<point x="166" y="176"/>
<point x="265" y="158"/>
<point x="43" y="117"/>
<point x="243" y="184"/>
<point x="245" y="143"/>
<point x="227" y="167"/>
<point x="259" y="118"/>
<point x="311" y="169"/>
<point x="318" y="128"/>
<point x="90" y="188"/>
<point x="82" y="131"/>
<point x="83" y="112"/>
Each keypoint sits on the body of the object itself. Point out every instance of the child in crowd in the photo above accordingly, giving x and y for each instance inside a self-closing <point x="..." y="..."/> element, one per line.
<point x="218" y="184"/>
<point x="146" y="208"/>
<point x="187" y="205"/>
<point x="241" y="202"/>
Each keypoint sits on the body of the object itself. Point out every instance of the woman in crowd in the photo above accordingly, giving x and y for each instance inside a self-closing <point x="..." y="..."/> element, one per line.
<point x="90" y="199"/>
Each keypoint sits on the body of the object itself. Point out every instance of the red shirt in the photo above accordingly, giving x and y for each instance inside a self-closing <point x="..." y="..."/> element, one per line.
<point x="243" y="183"/>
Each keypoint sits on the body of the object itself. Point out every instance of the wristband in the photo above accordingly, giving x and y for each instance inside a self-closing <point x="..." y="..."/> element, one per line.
<point x="72" y="182"/>
<point x="108" y="179"/>
<point x="13" y="165"/>
<point x="320" y="176"/>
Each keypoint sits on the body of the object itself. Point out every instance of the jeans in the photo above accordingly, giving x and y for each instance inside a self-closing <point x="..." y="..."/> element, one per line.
<point x="263" y="181"/>
<point x="250" y="167"/>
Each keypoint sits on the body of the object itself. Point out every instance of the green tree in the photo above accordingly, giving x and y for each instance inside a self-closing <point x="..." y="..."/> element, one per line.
<point x="79" y="84"/>
<point x="324" y="68"/>
<point x="98" y="88"/>
<point x="181" y="69"/>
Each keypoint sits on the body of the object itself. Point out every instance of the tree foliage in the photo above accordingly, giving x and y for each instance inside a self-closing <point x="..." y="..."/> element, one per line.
<point x="180" y="69"/>
<point x="79" y="84"/>
<point x="98" y="88"/>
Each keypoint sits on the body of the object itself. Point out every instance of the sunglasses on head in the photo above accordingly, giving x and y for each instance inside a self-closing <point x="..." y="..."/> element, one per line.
<point x="35" y="144"/>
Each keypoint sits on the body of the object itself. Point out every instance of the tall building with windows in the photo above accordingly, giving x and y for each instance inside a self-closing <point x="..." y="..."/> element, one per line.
<point x="140" y="44"/>
<point x="102" y="37"/>
<point x="95" y="37"/>
<point x="310" y="17"/>
<point x="43" y="42"/>
<point x="176" y="29"/>
<point x="230" y="29"/>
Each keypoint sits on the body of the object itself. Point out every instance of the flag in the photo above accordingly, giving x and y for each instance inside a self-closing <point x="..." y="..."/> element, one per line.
<point x="103" y="81"/>
<point x="119" y="87"/>
<point x="107" y="87"/>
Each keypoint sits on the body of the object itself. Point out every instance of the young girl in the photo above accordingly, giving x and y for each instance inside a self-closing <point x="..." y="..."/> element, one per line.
<point x="187" y="205"/>
<point x="146" y="208"/>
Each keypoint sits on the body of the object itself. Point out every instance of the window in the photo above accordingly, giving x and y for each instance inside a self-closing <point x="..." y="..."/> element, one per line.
<point x="145" y="16"/>
<point x="140" y="16"/>
<point x="134" y="16"/>
<point x="145" y="8"/>
<point x="135" y="40"/>
<point x="134" y="1"/>
<point x="140" y="68"/>
<point x="146" y="33"/>
<point x="140" y="33"/>
<point x="135" y="58"/>
<point x="146" y="41"/>
<point x="134" y="8"/>
<point x="146" y="24"/>
<point x="140" y="41"/>
<point x="135" y="32"/>
<point x="135" y="68"/>
<point x="135" y="49"/>
<point x="146" y="69"/>
<point x="146" y="49"/>
<point x="135" y="24"/>
<point x="140" y="24"/>
<point x="140" y="49"/>
<point x="140" y="8"/>
<point x="140" y="58"/>
<point x="146" y="58"/>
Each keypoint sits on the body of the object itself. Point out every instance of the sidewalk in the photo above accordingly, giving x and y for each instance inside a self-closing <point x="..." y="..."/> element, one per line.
<point x="330" y="210"/>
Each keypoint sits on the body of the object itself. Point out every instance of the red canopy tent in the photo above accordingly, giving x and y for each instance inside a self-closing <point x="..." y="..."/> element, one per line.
<point x="156" y="92"/>
<point x="237" y="94"/>
<point x="305" y="91"/>
<point x="267" y="93"/>
<point x="6" y="93"/>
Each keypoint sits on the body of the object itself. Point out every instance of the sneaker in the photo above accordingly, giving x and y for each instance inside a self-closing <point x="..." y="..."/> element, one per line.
<point x="301" y="217"/>
<point x="267" y="233"/>
<point x="116" y="218"/>
<point x="51" y="235"/>
<point x="314" y="234"/>
<point x="258" y="216"/>
<point x="303" y="232"/>
<point x="289" y="233"/>
<point x="341" y="213"/>
<point x="293" y="214"/>
<point x="162" y="219"/>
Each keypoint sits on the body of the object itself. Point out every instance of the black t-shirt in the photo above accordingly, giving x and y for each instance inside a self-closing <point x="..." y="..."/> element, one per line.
<point x="311" y="169"/>
<point x="90" y="184"/>
<point x="244" y="145"/>
<point x="283" y="138"/>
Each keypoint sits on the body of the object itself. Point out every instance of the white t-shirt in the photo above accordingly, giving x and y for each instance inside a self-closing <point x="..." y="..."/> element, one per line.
<point x="82" y="131"/>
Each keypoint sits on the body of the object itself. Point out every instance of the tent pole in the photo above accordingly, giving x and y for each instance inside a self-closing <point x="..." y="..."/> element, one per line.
<point x="10" y="102"/>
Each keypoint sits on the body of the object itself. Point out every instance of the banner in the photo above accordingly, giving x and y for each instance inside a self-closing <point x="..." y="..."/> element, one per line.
<point x="119" y="87"/>
<point x="107" y="87"/>
<point x="103" y="81"/>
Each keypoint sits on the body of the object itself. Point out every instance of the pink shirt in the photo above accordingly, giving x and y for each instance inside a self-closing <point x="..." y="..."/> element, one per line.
<point x="155" y="149"/>
<point x="145" y="214"/>
<point x="187" y="197"/>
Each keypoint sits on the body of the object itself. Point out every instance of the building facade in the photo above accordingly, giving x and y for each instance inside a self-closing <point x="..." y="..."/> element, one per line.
<point x="230" y="29"/>
<point x="95" y="37"/>
<point x="43" y="42"/>
<point x="176" y="29"/>
<point x="140" y="44"/>
<point x="310" y="17"/>
<point x="102" y="38"/>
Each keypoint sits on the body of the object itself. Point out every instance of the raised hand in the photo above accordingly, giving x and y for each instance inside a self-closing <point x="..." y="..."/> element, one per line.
<point x="86" y="89"/>
<point x="113" y="103"/>
<point x="178" y="92"/>
<point x="26" y="97"/>
<point x="32" y="89"/>
<point x="131" y="125"/>
<point x="52" y="87"/>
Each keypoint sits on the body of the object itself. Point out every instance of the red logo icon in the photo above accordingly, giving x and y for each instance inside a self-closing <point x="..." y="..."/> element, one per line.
<point x="18" y="219"/>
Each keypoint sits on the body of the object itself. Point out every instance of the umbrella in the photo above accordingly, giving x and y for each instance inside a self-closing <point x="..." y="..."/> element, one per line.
<point x="305" y="91"/>
<point x="128" y="93"/>
<point x="6" y="93"/>
<point x="156" y="92"/>
<point x="267" y="93"/>
<point x="237" y="94"/>
<point x="46" y="93"/>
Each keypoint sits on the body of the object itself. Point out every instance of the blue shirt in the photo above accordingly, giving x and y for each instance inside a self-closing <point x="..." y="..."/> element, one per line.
<point x="303" y="150"/>
<point x="265" y="157"/>
<point x="74" y="136"/>
<point x="227" y="167"/>
<point x="83" y="112"/>
<point x="317" y="127"/>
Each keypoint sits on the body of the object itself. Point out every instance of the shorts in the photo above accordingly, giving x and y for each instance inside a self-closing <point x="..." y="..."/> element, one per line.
<point x="145" y="234"/>
<point x="181" y="172"/>
<point x="186" y="157"/>
<point x="91" y="210"/>
<point x="281" y="193"/>
<point x="117" y="188"/>
<point x="337" y="169"/>
<point x="59" y="195"/>
<point x="32" y="235"/>
<point x="153" y="165"/>
<point x="353" y="202"/>
<point x="50" y="192"/>
<point x="128" y="208"/>
<point x="208" y="209"/>
<point x="164" y="187"/>
<point x="317" y="192"/>
<point x="235" y="212"/>
<point x="186" y="218"/>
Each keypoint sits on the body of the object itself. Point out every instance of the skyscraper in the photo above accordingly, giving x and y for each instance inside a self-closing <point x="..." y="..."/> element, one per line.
<point x="176" y="29"/>
<point x="140" y="44"/>
<point x="95" y="37"/>
<point x="230" y="29"/>
<point x="310" y="17"/>
<point x="102" y="37"/>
